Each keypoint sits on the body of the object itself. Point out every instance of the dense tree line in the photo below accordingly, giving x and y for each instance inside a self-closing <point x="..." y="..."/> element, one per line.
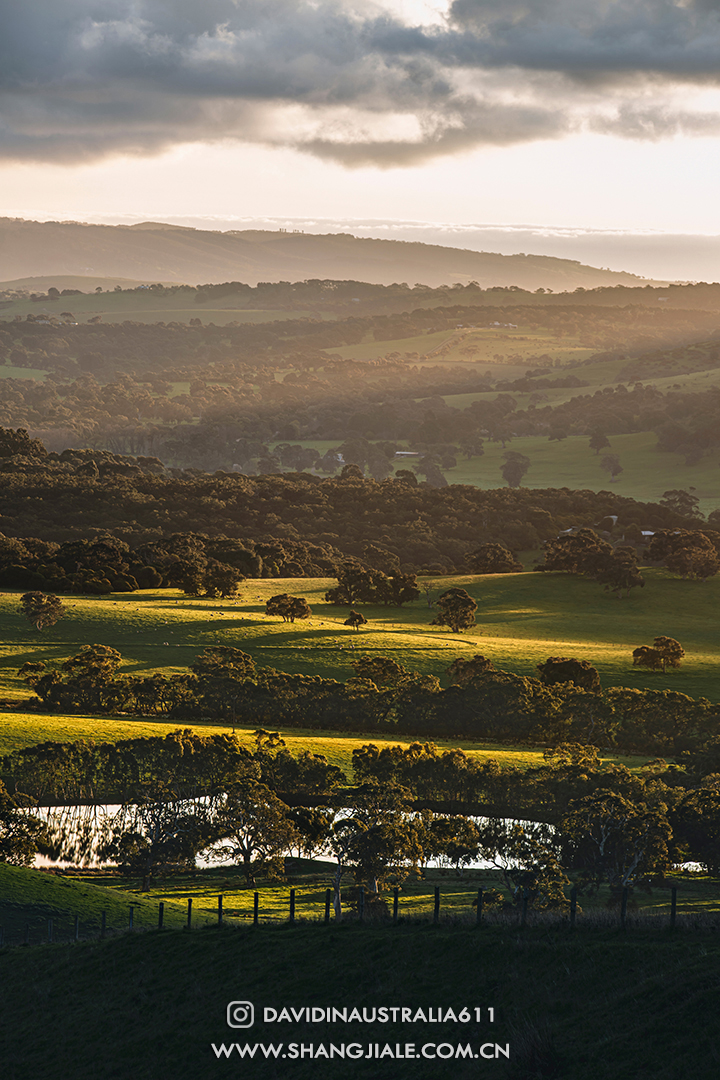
<point x="277" y="525"/>
<point x="196" y="563"/>
<point x="383" y="696"/>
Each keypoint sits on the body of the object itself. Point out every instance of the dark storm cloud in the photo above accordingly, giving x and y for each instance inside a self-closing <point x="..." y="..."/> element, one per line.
<point x="594" y="38"/>
<point x="79" y="79"/>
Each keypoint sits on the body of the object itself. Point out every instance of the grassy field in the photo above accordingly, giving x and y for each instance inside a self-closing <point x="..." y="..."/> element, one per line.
<point x="521" y="620"/>
<point x="598" y="1004"/>
<point x="18" y="730"/>
<point x="480" y="345"/>
<point x="647" y="472"/>
<point x="147" y="307"/>
<point x="29" y="897"/>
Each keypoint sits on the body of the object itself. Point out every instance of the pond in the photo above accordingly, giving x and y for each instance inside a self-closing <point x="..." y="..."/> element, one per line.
<point x="80" y="831"/>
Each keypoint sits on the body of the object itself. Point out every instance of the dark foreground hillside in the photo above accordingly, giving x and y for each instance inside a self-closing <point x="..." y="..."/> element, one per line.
<point x="598" y="1005"/>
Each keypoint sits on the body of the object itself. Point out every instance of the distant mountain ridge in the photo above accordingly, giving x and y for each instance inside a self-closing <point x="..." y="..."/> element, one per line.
<point x="155" y="251"/>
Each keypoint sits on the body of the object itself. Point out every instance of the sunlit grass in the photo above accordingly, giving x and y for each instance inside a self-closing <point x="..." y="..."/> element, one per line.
<point x="31" y="897"/>
<point x="521" y="620"/>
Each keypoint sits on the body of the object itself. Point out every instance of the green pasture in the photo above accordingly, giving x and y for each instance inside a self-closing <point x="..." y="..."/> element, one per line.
<point x="29" y="897"/>
<point x="697" y="893"/>
<point x="521" y="620"/>
<point x="598" y="376"/>
<point x="9" y="371"/>
<point x="478" y="345"/>
<point x="21" y="729"/>
<point x="601" y="1005"/>
<point x="147" y="307"/>
<point x="647" y="471"/>
<point x="18" y="730"/>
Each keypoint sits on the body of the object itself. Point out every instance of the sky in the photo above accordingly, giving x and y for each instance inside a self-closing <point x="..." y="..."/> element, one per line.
<point x="570" y="117"/>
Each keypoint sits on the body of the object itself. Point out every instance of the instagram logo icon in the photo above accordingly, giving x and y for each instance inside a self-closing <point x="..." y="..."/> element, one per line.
<point x="240" y="1014"/>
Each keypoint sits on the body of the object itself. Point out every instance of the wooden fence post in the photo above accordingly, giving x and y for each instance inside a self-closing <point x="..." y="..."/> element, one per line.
<point x="673" y="906"/>
<point x="77" y="927"/>
<point x="103" y="923"/>
<point x="256" y="909"/>
<point x="189" y="914"/>
<point x="573" y="906"/>
<point x="292" y="906"/>
<point x="161" y="914"/>
<point x="396" y="896"/>
<point x="436" y="909"/>
<point x="50" y="930"/>
<point x="220" y="910"/>
<point x="478" y="918"/>
<point x="328" y="899"/>
<point x="623" y="906"/>
<point x="27" y="934"/>
<point x="361" y="903"/>
<point x="132" y="913"/>
<point x="523" y="913"/>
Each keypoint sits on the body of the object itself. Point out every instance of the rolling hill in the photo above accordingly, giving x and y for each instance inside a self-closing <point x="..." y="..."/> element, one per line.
<point x="154" y="251"/>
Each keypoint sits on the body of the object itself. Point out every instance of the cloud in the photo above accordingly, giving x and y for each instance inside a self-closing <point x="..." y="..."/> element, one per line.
<point x="355" y="83"/>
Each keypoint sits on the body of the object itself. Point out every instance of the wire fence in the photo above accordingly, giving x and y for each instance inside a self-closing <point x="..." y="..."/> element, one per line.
<point x="67" y="927"/>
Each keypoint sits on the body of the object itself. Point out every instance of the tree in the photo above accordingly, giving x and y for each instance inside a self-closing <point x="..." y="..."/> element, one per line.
<point x="645" y="656"/>
<point x="617" y="570"/>
<point x="157" y="833"/>
<point x="574" y="552"/>
<point x="611" y="464"/>
<point x="665" y="652"/>
<point x="584" y="552"/>
<point x="19" y="442"/>
<point x="687" y="552"/>
<point x="20" y="832"/>
<point x="472" y="446"/>
<point x="456" y="610"/>
<point x="289" y="607"/>
<point x="356" y="620"/>
<point x="463" y="671"/>
<point x="515" y="467"/>
<point x="221" y="580"/>
<point x="429" y="468"/>
<point x="696" y="824"/>
<point x="376" y="838"/>
<point x="598" y="442"/>
<point x="493" y="559"/>
<point x="94" y="661"/>
<point x="398" y="589"/>
<point x="527" y="856"/>
<point x="454" y="841"/>
<point x="224" y="674"/>
<point x="356" y="584"/>
<point x="681" y="502"/>
<point x="560" y="669"/>
<point x="609" y="838"/>
<point x="382" y="670"/>
<point x="223" y="661"/>
<point x="40" y="609"/>
<point x="256" y="830"/>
